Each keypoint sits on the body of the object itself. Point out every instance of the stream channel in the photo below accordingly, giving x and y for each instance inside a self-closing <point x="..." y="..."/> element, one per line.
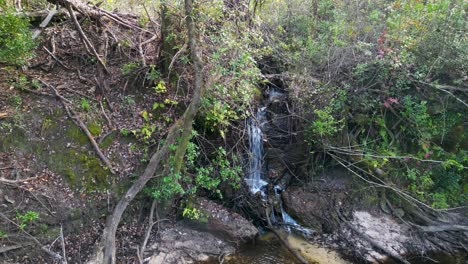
<point x="267" y="248"/>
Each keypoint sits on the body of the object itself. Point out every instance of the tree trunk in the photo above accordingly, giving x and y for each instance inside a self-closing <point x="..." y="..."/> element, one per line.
<point x="181" y="129"/>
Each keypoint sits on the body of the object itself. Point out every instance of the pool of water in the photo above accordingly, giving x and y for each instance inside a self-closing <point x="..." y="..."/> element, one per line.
<point x="267" y="249"/>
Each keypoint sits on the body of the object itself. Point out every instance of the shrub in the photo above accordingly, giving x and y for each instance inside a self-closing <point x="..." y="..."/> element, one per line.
<point x="15" y="37"/>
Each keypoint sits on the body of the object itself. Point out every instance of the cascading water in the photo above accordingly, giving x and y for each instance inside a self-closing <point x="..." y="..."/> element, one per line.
<point x="255" y="179"/>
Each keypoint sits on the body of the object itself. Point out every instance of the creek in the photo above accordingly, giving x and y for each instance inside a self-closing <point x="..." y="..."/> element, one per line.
<point x="267" y="248"/>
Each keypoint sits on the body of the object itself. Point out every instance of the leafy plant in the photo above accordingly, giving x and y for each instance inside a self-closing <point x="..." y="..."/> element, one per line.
<point x="85" y="104"/>
<point x="27" y="218"/>
<point x="15" y="37"/>
<point x="129" y="68"/>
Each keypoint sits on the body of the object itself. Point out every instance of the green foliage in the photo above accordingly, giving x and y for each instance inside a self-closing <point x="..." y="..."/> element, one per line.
<point x="219" y="169"/>
<point x="194" y="214"/>
<point x="27" y="218"/>
<point x="325" y="124"/>
<point x="160" y="88"/>
<point x="15" y="37"/>
<point x="390" y="58"/>
<point x="153" y="74"/>
<point x="233" y="76"/>
<point x="84" y="105"/>
<point x="129" y="68"/>
<point x="15" y="100"/>
<point x="3" y="234"/>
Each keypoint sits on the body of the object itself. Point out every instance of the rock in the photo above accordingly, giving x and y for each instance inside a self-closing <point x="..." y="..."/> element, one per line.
<point x="315" y="206"/>
<point x="222" y="222"/>
<point x="305" y="207"/>
<point x="181" y="244"/>
<point x="383" y="230"/>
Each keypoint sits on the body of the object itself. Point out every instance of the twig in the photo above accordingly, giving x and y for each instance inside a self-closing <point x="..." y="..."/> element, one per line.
<point x="64" y="254"/>
<point x="44" y="248"/>
<point x="151" y="223"/>
<point x="85" y="39"/>
<point x="175" y="58"/>
<point x="56" y="59"/>
<point x="109" y="122"/>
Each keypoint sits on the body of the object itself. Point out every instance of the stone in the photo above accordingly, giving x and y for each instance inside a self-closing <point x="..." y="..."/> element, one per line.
<point x="223" y="222"/>
<point x="182" y="244"/>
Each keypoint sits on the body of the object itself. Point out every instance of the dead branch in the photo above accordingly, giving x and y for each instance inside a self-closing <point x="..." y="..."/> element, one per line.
<point x="63" y="245"/>
<point x="71" y="113"/>
<point x="288" y="246"/>
<point x="44" y="23"/>
<point x="43" y="248"/>
<point x="109" y="122"/>
<point x="151" y="223"/>
<point x="141" y="45"/>
<point x="85" y="39"/>
<point x="10" y="248"/>
<point x="56" y="59"/>
<point x="442" y="228"/>
<point x="14" y="182"/>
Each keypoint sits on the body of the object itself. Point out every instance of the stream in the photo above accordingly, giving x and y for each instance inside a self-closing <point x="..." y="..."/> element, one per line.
<point x="267" y="248"/>
<point x="256" y="178"/>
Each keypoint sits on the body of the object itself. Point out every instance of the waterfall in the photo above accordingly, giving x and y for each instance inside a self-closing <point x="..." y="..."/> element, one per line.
<point x="255" y="179"/>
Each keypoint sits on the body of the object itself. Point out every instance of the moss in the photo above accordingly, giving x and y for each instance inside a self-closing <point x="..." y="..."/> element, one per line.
<point x="95" y="128"/>
<point x="75" y="134"/>
<point x="107" y="142"/>
<point x="257" y="94"/>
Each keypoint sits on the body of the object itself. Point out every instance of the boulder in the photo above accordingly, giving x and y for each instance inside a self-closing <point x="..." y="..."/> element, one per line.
<point x="223" y="222"/>
<point x="181" y="244"/>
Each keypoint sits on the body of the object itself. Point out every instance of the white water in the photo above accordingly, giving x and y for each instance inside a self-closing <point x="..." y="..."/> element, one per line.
<point x="255" y="178"/>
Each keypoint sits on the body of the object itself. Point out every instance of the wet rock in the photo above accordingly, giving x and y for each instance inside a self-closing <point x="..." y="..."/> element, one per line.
<point x="306" y="207"/>
<point x="223" y="222"/>
<point x="315" y="205"/>
<point x="181" y="244"/>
